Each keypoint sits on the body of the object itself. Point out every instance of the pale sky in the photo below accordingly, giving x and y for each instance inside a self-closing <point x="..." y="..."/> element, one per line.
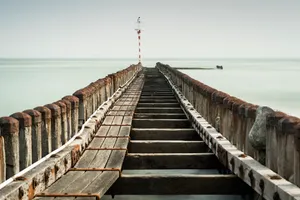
<point x="172" y="28"/>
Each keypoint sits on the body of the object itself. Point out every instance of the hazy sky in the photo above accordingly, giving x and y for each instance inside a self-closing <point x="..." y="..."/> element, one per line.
<point x="173" y="28"/>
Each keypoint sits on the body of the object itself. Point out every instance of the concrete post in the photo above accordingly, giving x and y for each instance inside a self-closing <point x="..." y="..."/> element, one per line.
<point x="102" y="89"/>
<point x="107" y="87"/>
<point x="63" y="119"/>
<point x="25" y="143"/>
<point x="36" y="134"/>
<point x="55" y="126"/>
<point x="69" y="117"/>
<point x="10" y="132"/>
<point x="82" y="95"/>
<point x="89" y="103"/>
<point x="74" y="113"/>
<point x="2" y="160"/>
<point x="93" y="97"/>
<point x="46" y="129"/>
<point x="297" y="156"/>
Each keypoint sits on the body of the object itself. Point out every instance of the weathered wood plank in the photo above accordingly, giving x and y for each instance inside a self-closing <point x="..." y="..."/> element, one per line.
<point x="160" y="116"/>
<point x="171" y="161"/>
<point x="158" y="110"/>
<point x="161" y="123"/>
<point x="158" y="100"/>
<point x="178" y="185"/>
<point x="157" y="97"/>
<point x="164" y="134"/>
<point x="171" y="146"/>
<point x="115" y="161"/>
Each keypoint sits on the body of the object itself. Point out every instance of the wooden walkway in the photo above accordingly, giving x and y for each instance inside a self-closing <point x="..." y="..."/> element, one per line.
<point x="145" y="129"/>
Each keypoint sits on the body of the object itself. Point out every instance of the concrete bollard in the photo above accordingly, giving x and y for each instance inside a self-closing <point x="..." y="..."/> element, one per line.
<point x="108" y="85"/>
<point x="36" y="134"/>
<point x="82" y="95"/>
<point x="101" y="83"/>
<point x="74" y="113"/>
<point x="2" y="160"/>
<point x="64" y="122"/>
<point x="93" y="97"/>
<point x="46" y="129"/>
<point x="10" y="132"/>
<point x="55" y="126"/>
<point x="69" y="117"/>
<point x="25" y="143"/>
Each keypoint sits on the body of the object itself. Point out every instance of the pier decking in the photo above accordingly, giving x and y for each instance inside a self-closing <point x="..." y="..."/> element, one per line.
<point x="151" y="126"/>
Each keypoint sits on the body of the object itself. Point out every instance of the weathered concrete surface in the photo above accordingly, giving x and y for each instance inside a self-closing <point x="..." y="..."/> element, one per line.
<point x="46" y="129"/>
<point x="56" y="129"/>
<point x="2" y="159"/>
<point x="36" y="134"/>
<point x="74" y="113"/>
<point x="64" y="123"/>
<point x="257" y="134"/>
<point x="10" y="132"/>
<point x="25" y="142"/>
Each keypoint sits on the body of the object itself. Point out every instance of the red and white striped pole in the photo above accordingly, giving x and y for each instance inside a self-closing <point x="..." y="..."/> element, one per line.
<point x="138" y="30"/>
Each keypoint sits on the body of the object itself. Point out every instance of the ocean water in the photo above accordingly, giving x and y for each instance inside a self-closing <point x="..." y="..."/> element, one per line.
<point x="27" y="83"/>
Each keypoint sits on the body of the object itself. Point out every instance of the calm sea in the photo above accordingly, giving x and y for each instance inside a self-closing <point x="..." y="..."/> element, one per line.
<point x="27" y="83"/>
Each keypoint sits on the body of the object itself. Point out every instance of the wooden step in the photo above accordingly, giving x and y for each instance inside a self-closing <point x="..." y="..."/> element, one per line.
<point x="158" y="110"/>
<point x="161" y="123"/>
<point x="164" y="134"/>
<point x="178" y="185"/>
<point x="163" y="146"/>
<point x="158" y="101"/>
<point x="160" y="116"/>
<point x="158" y="105"/>
<point x="171" y="161"/>
<point x="157" y="93"/>
<point x="158" y="97"/>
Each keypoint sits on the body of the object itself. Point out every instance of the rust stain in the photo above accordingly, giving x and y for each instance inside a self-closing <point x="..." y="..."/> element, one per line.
<point x="242" y="155"/>
<point x="20" y="178"/>
<point x="75" y="155"/>
<point x="31" y="189"/>
<point x="275" y="177"/>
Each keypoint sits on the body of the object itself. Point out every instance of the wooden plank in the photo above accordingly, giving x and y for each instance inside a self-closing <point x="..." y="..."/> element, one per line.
<point x="158" y="97"/>
<point x="158" y="110"/>
<point x="164" y="134"/>
<point x="73" y="182"/>
<point x="178" y="185"/>
<point x="158" y="100"/>
<point x="115" y="161"/>
<point x="160" y="116"/>
<point x="171" y="161"/>
<point x="170" y="146"/>
<point x="157" y="93"/>
<point x="158" y="105"/>
<point x="161" y="123"/>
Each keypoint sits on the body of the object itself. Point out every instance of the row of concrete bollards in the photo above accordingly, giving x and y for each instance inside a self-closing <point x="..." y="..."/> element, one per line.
<point x="275" y="143"/>
<point x="26" y="137"/>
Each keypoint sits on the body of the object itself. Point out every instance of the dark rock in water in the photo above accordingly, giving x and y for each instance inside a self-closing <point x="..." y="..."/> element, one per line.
<point x="219" y="67"/>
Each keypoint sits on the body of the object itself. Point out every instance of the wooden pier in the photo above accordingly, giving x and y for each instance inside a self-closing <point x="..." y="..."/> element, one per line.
<point x="151" y="125"/>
